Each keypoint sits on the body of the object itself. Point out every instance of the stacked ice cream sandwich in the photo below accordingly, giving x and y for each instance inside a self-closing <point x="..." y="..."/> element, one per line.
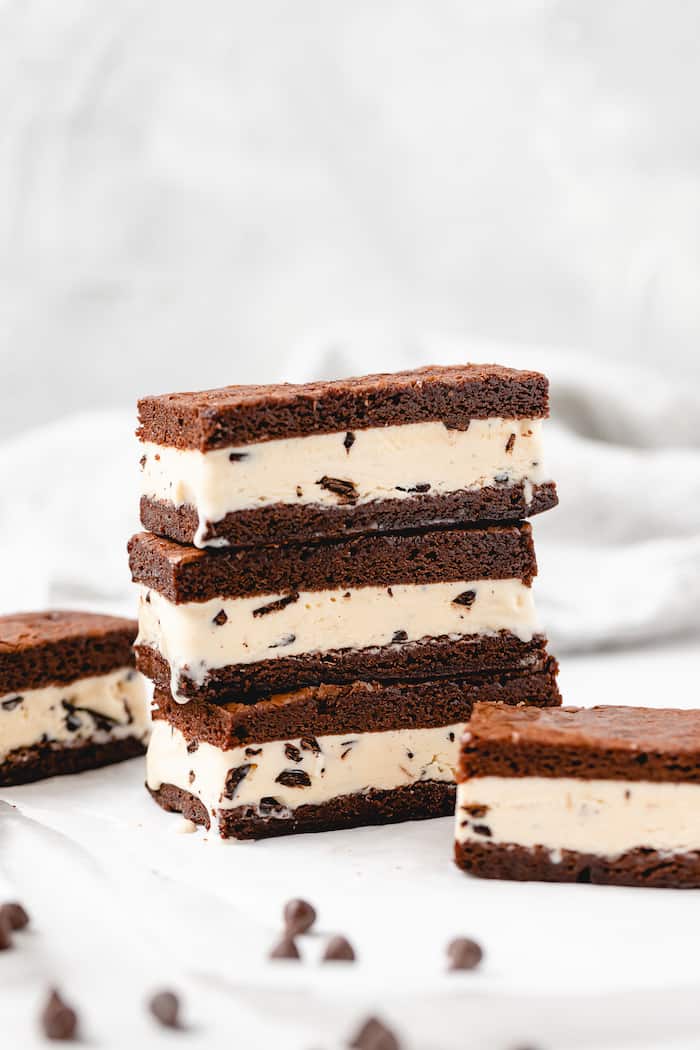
<point x="333" y="575"/>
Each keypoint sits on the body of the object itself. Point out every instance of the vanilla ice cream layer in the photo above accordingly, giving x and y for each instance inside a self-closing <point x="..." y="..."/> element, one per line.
<point x="278" y="776"/>
<point x="196" y="637"/>
<point x="603" y="817"/>
<point x="99" y="708"/>
<point x="379" y="463"/>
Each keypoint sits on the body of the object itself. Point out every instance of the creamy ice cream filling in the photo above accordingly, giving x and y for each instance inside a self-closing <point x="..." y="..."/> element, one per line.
<point x="196" y="637"/>
<point x="99" y="708"/>
<point x="351" y="467"/>
<point x="602" y="817"/>
<point x="275" y="777"/>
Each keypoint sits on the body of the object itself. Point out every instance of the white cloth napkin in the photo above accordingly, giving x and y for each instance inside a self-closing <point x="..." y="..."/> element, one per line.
<point x="619" y="559"/>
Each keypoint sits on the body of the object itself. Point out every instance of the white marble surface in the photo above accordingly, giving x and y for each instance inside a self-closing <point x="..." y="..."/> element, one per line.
<point x="122" y="903"/>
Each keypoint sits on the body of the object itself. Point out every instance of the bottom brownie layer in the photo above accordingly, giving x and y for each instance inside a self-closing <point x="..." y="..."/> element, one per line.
<point x="418" y="801"/>
<point x="636" y="867"/>
<point x="28" y="764"/>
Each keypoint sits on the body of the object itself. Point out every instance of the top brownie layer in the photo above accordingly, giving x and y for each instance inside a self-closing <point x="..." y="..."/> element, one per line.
<point x="611" y="743"/>
<point x="42" y="648"/>
<point x="239" y="415"/>
<point x="186" y="574"/>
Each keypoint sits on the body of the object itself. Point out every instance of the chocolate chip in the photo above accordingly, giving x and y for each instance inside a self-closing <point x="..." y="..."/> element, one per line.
<point x="482" y="829"/>
<point x="12" y="703"/>
<point x="299" y="916"/>
<point x="338" y="949"/>
<point x="236" y="457"/>
<point x="285" y="948"/>
<point x="142" y="461"/>
<point x="476" y="811"/>
<point x="374" y="1035"/>
<point x="348" y="745"/>
<point x="234" y="778"/>
<point x="165" y="1007"/>
<point x="464" y="954"/>
<point x="399" y="636"/>
<point x="292" y="753"/>
<point x="310" y="743"/>
<point x="349" y="441"/>
<point x="466" y="598"/>
<point x="220" y="619"/>
<point x="192" y="747"/>
<point x="14" y="915"/>
<point x="423" y="486"/>
<point x="409" y="754"/>
<point x="340" y="487"/>
<point x="451" y="737"/>
<point x="73" y="722"/>
<point x="299" y="492"/>
<point x="5" y="936"/>
<point x="510" y="443"/>
<point x="267" y="805"/>
<point x="293" y="778"/>
<point x="390" y="592"/>
<point x="286" y="639"/>
<point x="58" y="1020"/>
<point x="273" y="607"/>
<point x="250" y="751"/>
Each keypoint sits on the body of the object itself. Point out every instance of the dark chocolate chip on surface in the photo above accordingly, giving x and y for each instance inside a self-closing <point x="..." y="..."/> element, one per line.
<point x="340" y="487"/>
<point x="220" y="619"/>
<point x="165" y="1007"/>
<point x="278" y="605"/>
<point x="510" y="443"/>
<point x="285" y="948"/>
<point x="293" y="778"/>
<point x="14" y="915"/>
<point x="464" y="954"/>
<point x="373" y="1034"/>
<point x="292" y="753"/>
<point x="349" y="440"/>
<point x="299" y="916"/>
<point x="234" y="778"/>
<point x="399" y="636"/>
<point x="58" y="1020"/>
<point x="466" y="598"/>
<point x="338" y="949"/>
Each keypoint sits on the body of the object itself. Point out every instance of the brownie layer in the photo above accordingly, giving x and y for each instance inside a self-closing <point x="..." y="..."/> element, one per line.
<point x="309" y="523"/>
<point x="185" y="574"/>
<point x="37" y="763"/>
<point x="637" y="867"/>
<point x="434" y="658"/>
<point x="238" y="415"/>
<point x="607" y="743"/>
<point x="38" y="649"/>
<point x="419" y="801"/>
<point x="356" y="707"/>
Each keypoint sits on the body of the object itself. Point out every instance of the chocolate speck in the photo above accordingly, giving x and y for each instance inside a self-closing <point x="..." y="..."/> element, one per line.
<point x="58" y="1020"/>
<point x="236" y="457"/>
<point x="276" y="606"/>
<point x="11" y="703"/>
<point x="220" y="619"/>
<point x="399" y="636"/>
<point x="510" y="443"/>
<point x="482" y="829"/>
<point x="165" y="1007"/>
<point x="341" y="487"/>
<point x="293" y="778"/>
<point x="349" y="441"/>
<point x="192" y="747"/>
<point x="250" y="751"/>
<point x="466" y="598"/>
<point x="422" y="486"/>
<point x="476" y="811"/>
<point x="286" y="639"/>
<point x="142" y="461"/>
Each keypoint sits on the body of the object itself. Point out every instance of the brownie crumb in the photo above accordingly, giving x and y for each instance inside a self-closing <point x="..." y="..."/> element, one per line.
<point x="293" y="778"/>
<point x="165" y="1007"/>
<point x="273" y="607"/>
<point x="299" y="916"/>
<point x="373" y="1034"/>
<point x="349" y="441"/>
<point x="464" y="954"/>
<point x="285" y="948"/>
<point x="14" y="915"/>
<point x="338" y="949"/>
<point x="58" y="1020"/>
<point x="466" y="598"/>
<point x="220" y="619"/>
<point x="341" y="487"/>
